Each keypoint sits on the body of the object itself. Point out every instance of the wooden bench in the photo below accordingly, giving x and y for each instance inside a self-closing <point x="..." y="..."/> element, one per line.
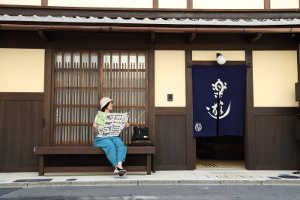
<point x="44" y="151"/>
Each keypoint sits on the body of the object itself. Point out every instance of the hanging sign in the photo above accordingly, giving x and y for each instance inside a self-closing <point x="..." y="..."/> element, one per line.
<point x="218" y="100"/>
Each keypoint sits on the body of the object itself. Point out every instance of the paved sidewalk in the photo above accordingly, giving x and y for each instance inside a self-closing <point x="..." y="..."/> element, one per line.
<point x="203" y="176"/>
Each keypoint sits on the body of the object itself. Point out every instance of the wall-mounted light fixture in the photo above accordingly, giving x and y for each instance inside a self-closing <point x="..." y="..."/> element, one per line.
<point x="221" y="60"/>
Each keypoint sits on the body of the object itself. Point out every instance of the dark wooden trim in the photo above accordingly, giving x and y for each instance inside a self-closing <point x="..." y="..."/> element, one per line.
<point x="189" y="4"/>
<point x="228" y="63"/>
<point x="170" y="110"/>
<point x="190" y="141"/>
<point x="275" y="111"/>
<point x="44" y="2"/>
<point x="47" y="97"/>
<point x="21" y="96"/>
<point x="267" y="4"/>
<point x="155" y="4"/>
<point x="249" y="139"/>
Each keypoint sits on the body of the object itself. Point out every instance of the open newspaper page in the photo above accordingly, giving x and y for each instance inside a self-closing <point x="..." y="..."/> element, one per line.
<point x="113" y="124"/>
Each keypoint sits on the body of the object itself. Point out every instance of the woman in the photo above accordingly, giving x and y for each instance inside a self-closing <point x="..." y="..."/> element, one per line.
<point x="114" y="148"/>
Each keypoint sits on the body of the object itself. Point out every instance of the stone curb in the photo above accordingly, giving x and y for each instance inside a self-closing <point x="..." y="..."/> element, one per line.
<point x="149" y="182"/>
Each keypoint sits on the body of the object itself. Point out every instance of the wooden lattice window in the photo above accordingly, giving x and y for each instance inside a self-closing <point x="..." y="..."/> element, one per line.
<point x="124" y="79"/>
<point x="82" y="77"/>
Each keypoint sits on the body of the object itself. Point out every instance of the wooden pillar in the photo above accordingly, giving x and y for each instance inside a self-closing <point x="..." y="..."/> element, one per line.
<point x="44" y="2"/>
<point x="155" y="3"/>
<point x="190" y="141"/>
<point x="267" y="4"/>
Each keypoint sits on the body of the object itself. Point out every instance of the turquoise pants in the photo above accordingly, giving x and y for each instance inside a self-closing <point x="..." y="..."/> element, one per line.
<point x="113" y="147"/>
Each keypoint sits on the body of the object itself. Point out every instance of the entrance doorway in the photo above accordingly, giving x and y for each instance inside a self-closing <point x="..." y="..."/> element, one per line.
<point x="218" y="107"/>
<point x="226" y="152"/>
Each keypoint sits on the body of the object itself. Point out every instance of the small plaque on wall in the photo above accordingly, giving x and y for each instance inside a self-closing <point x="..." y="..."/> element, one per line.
<point x="170" y="97"/>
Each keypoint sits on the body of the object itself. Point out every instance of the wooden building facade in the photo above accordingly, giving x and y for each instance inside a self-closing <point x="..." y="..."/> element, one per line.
<point x="57" y="58"/>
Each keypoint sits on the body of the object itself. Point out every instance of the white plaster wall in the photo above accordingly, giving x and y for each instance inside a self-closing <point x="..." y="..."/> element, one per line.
<point x="22" y="70"/>
<point x="103" y="3"/>
<point x="281" y="4"/>
<point x="172" y="3"/>
<point x="21" y="2"/>
<point x="228" y="4"/>
<point x="170" y="78"/>
<point x="210" y="55"/>
<point x="274" y="78"/>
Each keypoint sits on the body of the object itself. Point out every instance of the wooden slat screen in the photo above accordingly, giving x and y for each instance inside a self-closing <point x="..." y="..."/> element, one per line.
<point x="82" y="77"/>
<point x="76" y="96"/>
<point x="124" y="79"/>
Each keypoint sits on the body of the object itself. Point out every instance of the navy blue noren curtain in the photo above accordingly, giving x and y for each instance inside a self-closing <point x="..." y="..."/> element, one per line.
<point x="219" y="93"/>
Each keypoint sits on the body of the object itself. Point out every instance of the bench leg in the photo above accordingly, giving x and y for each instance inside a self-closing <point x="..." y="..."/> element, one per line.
<point x="41" y="166"/>
<point x="149" y="164"/>
<point x="152" y="163"/>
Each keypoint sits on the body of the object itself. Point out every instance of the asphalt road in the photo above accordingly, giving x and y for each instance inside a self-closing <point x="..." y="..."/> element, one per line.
<point x="182" y="192"/>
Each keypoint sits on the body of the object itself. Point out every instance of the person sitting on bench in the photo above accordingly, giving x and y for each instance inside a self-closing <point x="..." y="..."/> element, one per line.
<point x="113" y="146"/>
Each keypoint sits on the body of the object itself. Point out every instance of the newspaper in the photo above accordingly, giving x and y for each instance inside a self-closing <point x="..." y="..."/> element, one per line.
<point x="114" y="124"/>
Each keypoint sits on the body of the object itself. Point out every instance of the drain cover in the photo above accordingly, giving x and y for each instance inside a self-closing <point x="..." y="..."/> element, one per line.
<point x="71" y="179"/>
<point x="289" y="177"/>
<point x="276" y="178"/>
<point x="32" y="180"/>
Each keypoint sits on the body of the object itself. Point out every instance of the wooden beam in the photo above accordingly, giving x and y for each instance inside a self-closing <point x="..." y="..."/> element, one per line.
<point x="26" y="27"/>
<point x="155" y="3"/>
<point x="267" y="4"/>
<point x="189" y="4"/>
<point x="43" y="36"/>
<point x="44" y="3"/>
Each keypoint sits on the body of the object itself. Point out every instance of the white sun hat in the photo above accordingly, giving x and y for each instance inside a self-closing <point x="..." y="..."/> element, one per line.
<point x="104" y="101"/>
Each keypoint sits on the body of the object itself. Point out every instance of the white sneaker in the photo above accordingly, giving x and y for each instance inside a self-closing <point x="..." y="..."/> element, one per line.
<point x="119" y="171"/>
<point x="116" y="171"/>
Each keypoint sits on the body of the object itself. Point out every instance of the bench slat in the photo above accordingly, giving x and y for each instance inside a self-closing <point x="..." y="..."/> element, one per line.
<point x="48" y="150"/>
